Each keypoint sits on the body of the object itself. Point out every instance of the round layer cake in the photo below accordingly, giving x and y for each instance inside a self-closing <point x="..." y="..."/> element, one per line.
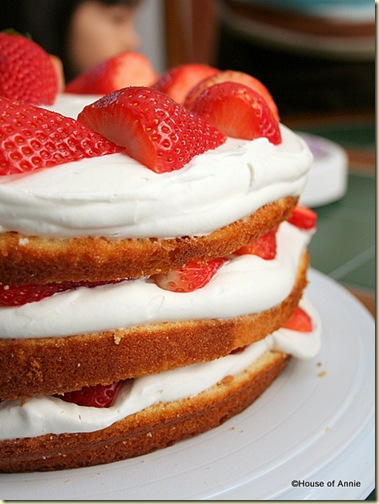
<point x="109" y="219"/>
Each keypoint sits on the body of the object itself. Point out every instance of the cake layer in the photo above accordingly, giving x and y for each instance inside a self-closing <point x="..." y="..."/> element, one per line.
<point x="25" y="260"/>
<point x="135" y="328"/>
<point x="155" y="427"/>
<point x="43" y="414"/>
<point x="53" y="365"/>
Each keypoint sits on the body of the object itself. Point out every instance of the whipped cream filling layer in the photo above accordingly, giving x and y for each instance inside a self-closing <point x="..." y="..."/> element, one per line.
<point x="246" y="284"/>
<point x="41" y="415"/>
<point x="116" y="197"/>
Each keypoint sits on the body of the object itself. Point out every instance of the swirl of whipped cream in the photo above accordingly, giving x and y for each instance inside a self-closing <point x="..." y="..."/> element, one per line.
<point x="246" y="284"/>
<point x="45" y="414"/>
<point x="117" y="197"/>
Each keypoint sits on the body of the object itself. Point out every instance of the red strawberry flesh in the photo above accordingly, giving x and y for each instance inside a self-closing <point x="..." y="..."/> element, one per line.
<point x="12" y="295"/>
<point x="32" y="138"/>
<point x="299" y="321"/>
<point x="178" y="81"/>
<point x="264" y="247"/>
<point x="99" y="396"/>
<point x="128" y="68"/>
<point x="194" y="276"/>
<point x="303" y="217"/>
<point x="232" y="76"/>
<point x="152" y="128"/>
<point x="26" y="71"/>
<point x="237" y="111"/>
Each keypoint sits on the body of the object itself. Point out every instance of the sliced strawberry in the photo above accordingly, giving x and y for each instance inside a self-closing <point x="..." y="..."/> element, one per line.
<point x="100" y="396"/>
<point x="303" y="217"/>
<point x="237" y="111"/>
<point x="264" y="247"/>
<point x="238" y="350"/>
<point x="33" y="138"/>
<point x="233" y="76"/>
<point x="15" y="295"/>
<point x="26" y="71"/>
<point x="194" y="276"/>
<point x="126" y="69"/>
<point x="299" y="321"/>
<point x="178" y="81"/>
<point x="153" y="128"/>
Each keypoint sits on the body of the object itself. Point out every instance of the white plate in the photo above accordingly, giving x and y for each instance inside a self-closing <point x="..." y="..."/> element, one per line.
<point x="314" y="425"/>
<point x="328" y="176"/>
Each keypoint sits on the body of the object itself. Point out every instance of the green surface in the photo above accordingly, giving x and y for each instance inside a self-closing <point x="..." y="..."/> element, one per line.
<point x="354" y="135"/>
<point x="344" y="245"/>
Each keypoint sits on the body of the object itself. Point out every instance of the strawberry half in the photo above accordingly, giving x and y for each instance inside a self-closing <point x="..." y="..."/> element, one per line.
<point x="299" y="321"/>
<point x="194" y="276"/>
<point x="17" y="295"/>
<point x="32" y="138"/>
<point x="264" y="247"/>
<point x="26" y="71"/>
<point x="303" y="217"/>
<point x="233" y="76"/>
<point x="99" y="396"/>
<point x="153" y="128"/>
<point x="237" y="111"/>
<point x="178" y="81"/>
<point x="128" y="68"/>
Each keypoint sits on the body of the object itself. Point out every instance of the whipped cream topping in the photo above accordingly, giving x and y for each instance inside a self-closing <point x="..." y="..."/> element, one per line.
<point x="245" y="284"/>
<point x="117" y="197"/>
<point x="41" y="415"/>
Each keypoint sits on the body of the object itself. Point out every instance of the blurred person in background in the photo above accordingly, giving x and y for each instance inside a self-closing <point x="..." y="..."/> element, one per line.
<point x="81" y="33"/>
<point x="313" y="55"/>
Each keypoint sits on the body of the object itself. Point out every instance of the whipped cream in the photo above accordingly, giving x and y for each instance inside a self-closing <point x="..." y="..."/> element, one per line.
<point x="41" y="415"/>
<point x="71" y="104"/>
<point x="245" y="284"/>
<point x="117" y="197"/>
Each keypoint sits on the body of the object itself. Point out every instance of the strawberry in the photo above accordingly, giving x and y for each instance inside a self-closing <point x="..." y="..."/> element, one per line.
<point x="299" y="321"/>
<point x="233" y="76"/>
<point x="99" y="396"/>
<point x="59" y="71"/>
<point x="303" y="217"/>
<point x="128" y="68"/>
<point x="237" y="111"/>
<point x="178" y="81"/>
<point x="264" y="247"/>
<point x="26" y="71"/>
<point x="153" y="128"/>
<point x="33" y="138"/>
<point x="238" y="350"/>
<point x="17" y="295"/>
<point x="194" y="276"/>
